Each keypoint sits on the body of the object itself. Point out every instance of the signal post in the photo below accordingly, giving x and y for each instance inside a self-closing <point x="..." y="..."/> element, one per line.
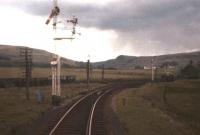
<point x="55" y="63"/>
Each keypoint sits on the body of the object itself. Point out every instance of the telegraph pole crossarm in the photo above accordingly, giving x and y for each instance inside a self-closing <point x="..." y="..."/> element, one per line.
<point x="62" y="38"/>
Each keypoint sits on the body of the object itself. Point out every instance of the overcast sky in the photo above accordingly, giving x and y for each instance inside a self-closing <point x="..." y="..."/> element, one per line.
<point x="108" y="28"/>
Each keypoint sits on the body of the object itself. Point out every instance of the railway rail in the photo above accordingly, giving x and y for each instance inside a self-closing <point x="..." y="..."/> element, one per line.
<point x="78" y="120"/>
<point x="83" y="117"/>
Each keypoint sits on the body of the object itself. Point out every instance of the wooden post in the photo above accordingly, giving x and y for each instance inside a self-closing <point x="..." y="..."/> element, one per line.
<point x="88" y="73"/>
<point x="26" y="63"/>
<point x="152" y="71"/>
<point x="102" y="77"/>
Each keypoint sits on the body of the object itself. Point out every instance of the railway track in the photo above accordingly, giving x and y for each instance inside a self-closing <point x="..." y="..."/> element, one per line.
<point x="83" y="117"/>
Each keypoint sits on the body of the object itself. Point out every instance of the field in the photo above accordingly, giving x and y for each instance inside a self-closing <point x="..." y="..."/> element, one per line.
<point x="80" y="74"/>
<point x="16" y="111"/>
<point x="160" y="109"/>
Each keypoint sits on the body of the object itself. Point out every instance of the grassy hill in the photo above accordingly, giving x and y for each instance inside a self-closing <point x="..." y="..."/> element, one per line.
<point x="123" y="62"/>
<point x="10" y="57"/>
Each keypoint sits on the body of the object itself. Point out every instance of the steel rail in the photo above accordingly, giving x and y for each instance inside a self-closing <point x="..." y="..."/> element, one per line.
<point x="68" y="111"/>
<point x="89" y="130"/>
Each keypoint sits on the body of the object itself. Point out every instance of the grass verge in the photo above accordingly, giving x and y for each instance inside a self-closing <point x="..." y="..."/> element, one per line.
<point x="160" y="109"/>
<point x="17" y="113"/>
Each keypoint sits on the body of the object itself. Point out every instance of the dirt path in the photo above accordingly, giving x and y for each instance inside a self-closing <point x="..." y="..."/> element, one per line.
<point x="113" y="124"/>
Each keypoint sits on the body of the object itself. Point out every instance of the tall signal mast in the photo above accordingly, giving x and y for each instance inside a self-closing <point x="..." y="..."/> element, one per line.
<point x="55" y="63"/>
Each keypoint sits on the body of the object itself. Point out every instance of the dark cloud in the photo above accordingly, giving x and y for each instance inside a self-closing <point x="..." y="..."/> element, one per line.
<point x="124" y="15"/>
<point x="172" y="23"/>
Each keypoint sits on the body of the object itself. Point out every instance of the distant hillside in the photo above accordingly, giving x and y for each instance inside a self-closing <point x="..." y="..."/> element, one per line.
<point x="10" y="56"/>
<point x="129" y="62"/>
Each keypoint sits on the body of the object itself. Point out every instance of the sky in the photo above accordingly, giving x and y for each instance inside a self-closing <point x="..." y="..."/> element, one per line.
<point x="108" y="27"/>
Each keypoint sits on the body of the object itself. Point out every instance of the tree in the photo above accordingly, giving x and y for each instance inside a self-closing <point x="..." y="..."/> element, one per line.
<point x="190" y="71"/>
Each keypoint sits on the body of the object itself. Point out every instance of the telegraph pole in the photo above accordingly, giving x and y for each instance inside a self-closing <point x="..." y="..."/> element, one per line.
<point x="88" y="73"/>
<point x="26" y="63"/>
<point x="152" y="71"/>
<point x="102" y="73"/>
<point x="91" y="72"/>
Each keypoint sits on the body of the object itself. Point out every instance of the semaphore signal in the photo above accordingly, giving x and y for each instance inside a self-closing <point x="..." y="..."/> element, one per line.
<point x="55" y="63"/>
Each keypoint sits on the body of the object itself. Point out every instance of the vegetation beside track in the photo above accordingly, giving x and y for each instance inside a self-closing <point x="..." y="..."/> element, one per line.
<point x="109" y="74"/>
<point x="16" y="112"/>
<point x="160" y="109"/>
